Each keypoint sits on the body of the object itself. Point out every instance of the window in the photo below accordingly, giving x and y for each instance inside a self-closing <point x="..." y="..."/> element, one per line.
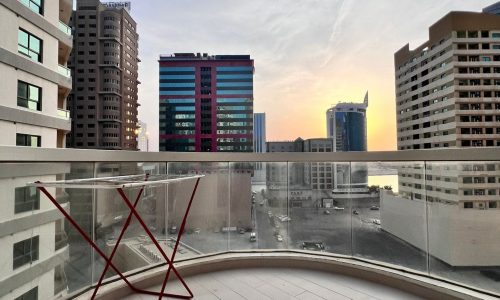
<point x="29" y="96"/>
<point x="28" y="140"/>
<point x="25" y="252"/>
<point x="29" y="45"/>
<point x="34" y="5"/>
<point x="29" y="295"/>
<point x="492" y="204"/>
<point x="468" y="205"/>
<point x="26" y="199"/>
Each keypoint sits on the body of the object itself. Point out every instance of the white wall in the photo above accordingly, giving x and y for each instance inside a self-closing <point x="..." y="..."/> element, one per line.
<point x="457" y="236"/>
<point x="8" y="90"/>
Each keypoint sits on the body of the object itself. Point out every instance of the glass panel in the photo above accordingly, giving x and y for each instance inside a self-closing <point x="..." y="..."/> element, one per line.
<point x="34" y="141"/>
<point x="34" y="44"/>
<point x="207" y="227"/>
<point x="318" y="221"/>
<point x="21" y="139"/>
<point x="269" y="188"/>
<point x="34" y="93"/>
<point x="34" y="56"/>
<point x="464" y="222"/>
<point x="243" y="197"/>
<point x="389" y="213"/>
<point x="22" y="90"/>
<point x="23" y="38"/>
<point x="137" y="249"/>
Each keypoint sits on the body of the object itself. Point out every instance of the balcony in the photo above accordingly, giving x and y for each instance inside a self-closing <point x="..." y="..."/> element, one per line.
<point x="62" y="113"/>
<point x="263" y="225"/>
<point x="64" y="28"/>
<point x="64" y="71"/>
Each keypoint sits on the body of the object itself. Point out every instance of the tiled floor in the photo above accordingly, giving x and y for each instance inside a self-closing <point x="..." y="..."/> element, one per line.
<point x="280" y="283"/>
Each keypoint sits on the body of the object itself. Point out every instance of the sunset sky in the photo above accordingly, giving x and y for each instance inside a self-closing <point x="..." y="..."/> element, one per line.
<point x="308" y="54"/>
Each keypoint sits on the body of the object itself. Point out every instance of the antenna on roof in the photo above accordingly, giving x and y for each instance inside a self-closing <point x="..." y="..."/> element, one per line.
<point x="366" y="99"/>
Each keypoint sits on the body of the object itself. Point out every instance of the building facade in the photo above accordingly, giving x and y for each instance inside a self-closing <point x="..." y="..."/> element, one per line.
<point x="206" y="103"/>
<point x="306" y="184"/>
<point x="35" y="45"/>
<point x="346" y="125"/>
<point x="104" y="64"/>
<point x="447" y="96"/>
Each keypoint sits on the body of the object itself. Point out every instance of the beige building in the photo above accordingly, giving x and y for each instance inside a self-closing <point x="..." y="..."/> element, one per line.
<point x="35" y="45"/>
<point x="448" y="95"/>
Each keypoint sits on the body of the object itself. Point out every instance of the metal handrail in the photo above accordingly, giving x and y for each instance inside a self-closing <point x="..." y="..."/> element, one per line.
<point x="25" y="154"/>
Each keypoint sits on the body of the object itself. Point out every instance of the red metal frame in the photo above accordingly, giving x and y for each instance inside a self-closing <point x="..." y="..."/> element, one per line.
<point x="133" y="211"/>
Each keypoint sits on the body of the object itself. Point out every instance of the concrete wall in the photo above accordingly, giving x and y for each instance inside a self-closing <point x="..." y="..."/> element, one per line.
<point x="404" y="218"/>
<point x="10" y="24"/>
<point x="457" y="236"/>
<point x="212" y="207"/>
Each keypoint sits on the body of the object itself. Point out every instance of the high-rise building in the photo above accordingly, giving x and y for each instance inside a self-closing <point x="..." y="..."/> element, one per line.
<point x="346" y="125"/>
<point x="206" y="102"/>
<point x="493" y="9"/>
<point x="34" y="47"/>
<point x="104" y="65"/>
<point x="447" y="96"/>
<point x="259" y="132"/>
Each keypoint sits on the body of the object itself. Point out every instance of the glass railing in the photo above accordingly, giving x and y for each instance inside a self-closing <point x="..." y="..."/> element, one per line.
<point x="431" y="217"/>
<point x="64" y="71"/>
<point x="64" y="28"/>
<point x="62" y="113"/>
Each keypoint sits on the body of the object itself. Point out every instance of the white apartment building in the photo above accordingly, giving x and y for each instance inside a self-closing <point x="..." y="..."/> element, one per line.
<point x="35" y="45"/>
<point x="448" y="95"/>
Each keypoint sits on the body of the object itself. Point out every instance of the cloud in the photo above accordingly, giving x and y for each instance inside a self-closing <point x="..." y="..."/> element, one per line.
<point x="308" y="54"/>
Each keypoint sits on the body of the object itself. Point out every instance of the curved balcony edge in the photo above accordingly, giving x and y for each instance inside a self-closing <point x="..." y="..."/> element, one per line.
<point x="415" y="283"/>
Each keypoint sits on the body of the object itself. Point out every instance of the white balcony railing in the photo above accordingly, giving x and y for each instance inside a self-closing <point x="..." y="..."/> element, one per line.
<point x="62" y="113"/>
<point x="402" y="210"/>
<point x="64" y="28"/>
<point x="64" y="71"/>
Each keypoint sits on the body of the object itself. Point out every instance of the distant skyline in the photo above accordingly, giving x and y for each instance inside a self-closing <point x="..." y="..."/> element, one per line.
<point x="309" y="55"/>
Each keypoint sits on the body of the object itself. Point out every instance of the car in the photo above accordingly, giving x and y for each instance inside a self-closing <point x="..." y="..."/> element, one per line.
<point x="338" y="208"/>
<point x="284" y="218"/>
<point x="253" y="237"/>
<point x="376" y="221"/>
<point x="374" y="208"/>
<point x="326" y="212"/>
<point x="173" y="230"/>
<point x="269" y="213"/>
<point x="241" y="230"/>
<point x="315" y="246"/>
<point x="279" y="238"/>
<point x="355" y="212"/>
<point x="261" y="203"/>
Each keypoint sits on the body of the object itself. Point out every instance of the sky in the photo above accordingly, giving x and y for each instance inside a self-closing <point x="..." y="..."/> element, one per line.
<point x="308" y="54"/>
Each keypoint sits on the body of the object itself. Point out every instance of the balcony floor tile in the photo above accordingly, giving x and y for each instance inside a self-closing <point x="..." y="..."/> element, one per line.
<point x="280" y="283"/>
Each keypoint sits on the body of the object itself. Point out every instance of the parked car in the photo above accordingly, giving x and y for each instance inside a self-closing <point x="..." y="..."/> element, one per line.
<point x="241" y="230"/>
<point x="253" y="237"/>
<point x="326" y="212"/>
<point x="374" y="208"/>
<point x="173" y="230"/>
<point x="315" y="246"/>
<point x="338" y="208"/>
<point x="279" y="238"/>
<point x="355" y="212"/>
<point x="376" y="221"/>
